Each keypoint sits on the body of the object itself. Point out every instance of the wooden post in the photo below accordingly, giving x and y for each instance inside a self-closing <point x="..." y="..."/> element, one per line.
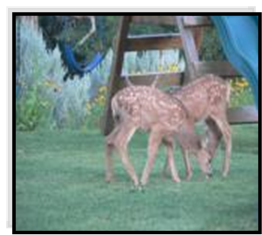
<point x="115" y="76"/>
<point x="198" y="36"/>
<point x="190" y="49"/>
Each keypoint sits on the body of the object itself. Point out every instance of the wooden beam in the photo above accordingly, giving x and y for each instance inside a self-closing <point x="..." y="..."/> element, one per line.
<point x="188" y="41"/>
<point x="189" y="21"/>
<point x="165" y="79"/>
<point x="190" y="49"/>
<point x="198" y="34"/>
<point x="196" y="21"/>
<point x="153" y="42"/>
<point x="114" y="84"/>
<point x="220" y="68"/>
<point x="155" y="20"/>
<point x="242" y="115"/>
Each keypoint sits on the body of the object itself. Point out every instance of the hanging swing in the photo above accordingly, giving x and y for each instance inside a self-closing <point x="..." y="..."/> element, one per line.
<point x="68" y="56"/>
<point x="75" y="67"/>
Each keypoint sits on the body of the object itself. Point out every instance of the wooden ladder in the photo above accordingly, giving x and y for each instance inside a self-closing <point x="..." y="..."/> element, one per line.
<point x="188" y="39"/>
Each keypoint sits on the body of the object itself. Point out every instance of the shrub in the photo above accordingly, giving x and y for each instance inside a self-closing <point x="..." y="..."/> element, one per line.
<point x="241" y="93"/>
<point x="33" y="68"/>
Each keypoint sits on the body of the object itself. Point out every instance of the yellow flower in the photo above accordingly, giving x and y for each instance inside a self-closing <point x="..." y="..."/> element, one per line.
<point x="102" y="99"/>
<point x="173" y="68"/>
<point x="242" y="84"/>
<point x="88" y="106"/>
<point x="245" y="82"/>
<point x="52" y="84"/>
<point x="102" y="89"/>
<point x="47" y="83"/>
<point x="160" y="68"/>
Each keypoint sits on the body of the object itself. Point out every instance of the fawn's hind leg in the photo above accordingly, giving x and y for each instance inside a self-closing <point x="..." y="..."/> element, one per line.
<point x="155" y="139"/>
<point x="121" y="140"/>
<point x="224" y="126"/>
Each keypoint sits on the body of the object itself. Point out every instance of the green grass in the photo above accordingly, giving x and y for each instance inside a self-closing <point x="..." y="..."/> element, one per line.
<point x="60" y="186"/>
<point x="245" y="97"/>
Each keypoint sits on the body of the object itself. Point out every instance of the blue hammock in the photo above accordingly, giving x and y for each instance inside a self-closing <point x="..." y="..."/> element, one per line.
<point x="74" y="67"/>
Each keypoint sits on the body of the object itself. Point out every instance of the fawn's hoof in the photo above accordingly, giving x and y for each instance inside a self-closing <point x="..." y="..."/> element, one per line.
<point x="110" y="179"/>
<point x="141" y="188"/>
<point x="137" y="188"/>
<point x="176" y="180"/>
<point x="188" y="177"/>
<point x="209" y="176"/>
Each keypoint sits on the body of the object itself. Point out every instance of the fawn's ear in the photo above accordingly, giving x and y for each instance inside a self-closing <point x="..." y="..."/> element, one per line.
<point x="154" y="84"/>
<point x="128" y="82"/>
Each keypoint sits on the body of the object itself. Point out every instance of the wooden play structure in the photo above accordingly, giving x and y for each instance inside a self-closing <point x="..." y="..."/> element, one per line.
<point x="189" y="40"/>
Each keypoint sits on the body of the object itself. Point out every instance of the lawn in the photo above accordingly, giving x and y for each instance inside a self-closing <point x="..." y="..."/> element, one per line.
<point x="60" y="186"/>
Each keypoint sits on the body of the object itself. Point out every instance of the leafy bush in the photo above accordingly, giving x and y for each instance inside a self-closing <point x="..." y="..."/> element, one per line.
<point x="241" y="93"/>
<point x="211" y="48"/>
<point x="28" y="110"/>
<point x="44" y="99"/>
<point x="33" y="68"/>
<point x="71" y="100"/>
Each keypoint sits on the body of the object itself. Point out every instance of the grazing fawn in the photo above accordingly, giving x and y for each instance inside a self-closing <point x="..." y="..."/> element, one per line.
<point x="206" y="99"/>
<point x="163" y="116"/>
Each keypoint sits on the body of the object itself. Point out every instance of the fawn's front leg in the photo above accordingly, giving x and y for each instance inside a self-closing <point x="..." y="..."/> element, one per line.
<point x="168" y="142"/>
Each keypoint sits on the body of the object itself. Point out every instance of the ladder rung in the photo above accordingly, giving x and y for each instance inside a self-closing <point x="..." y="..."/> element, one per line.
<point x="165" y="79"/>
<point x="189" y="21"/>
<point x="220" y="68"/>
<point x="156" y="20"/>
<point x="196" y="21"/>
<point x="151" y="42"/>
